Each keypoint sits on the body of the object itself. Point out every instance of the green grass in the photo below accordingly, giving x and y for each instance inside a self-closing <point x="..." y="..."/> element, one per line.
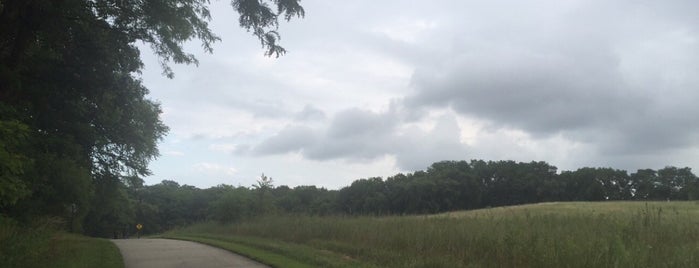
<point x="70" y="250"/>
<point x="41" y="245"/>
<point x="272" y="252"/>
<point x="579" y="234"/>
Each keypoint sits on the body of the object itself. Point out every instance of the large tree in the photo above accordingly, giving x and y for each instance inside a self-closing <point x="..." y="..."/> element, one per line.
<point x="75" y="117"/>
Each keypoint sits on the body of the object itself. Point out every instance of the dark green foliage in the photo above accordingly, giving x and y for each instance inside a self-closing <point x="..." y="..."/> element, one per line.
<point x="235" y="204"/>
<point x="364" y="196"/>
<point x="453" y="185"/>
<point x="597" y="184"/>
<point x="112" y="213"/>
<point x="305" y="200"/>
<point x="13" y="162"/>
<point x="169" y="205"/>
<point x="456" y="185"/>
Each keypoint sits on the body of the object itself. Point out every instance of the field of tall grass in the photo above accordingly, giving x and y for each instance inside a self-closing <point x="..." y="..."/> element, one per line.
<point x="575" y="234"/>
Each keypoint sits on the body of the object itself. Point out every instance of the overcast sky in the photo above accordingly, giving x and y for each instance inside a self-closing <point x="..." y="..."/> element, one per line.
<point x="373" y="88"/>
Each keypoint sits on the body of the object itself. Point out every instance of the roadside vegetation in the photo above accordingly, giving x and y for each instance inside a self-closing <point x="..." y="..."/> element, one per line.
<point x="42" y="245"/>
<point x="568" y="234"/>
<point x="269" y="251"/>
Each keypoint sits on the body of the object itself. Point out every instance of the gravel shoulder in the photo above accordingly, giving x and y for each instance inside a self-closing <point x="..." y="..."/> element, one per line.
<point x="162" y="253"/>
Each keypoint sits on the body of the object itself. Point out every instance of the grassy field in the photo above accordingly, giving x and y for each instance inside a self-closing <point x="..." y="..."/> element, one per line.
<point x="43" y="246"/>
<point x="578" y="234"/>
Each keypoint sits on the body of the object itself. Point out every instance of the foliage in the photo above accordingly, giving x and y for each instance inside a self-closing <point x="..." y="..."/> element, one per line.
<point x="455" y="185"/>
<point x="77" y="130"/>
<point x="168" y="205"/>
<point x="234" y="205"/>
<point x="13" y="163"/>
<point x="263" y="203"/>
<point x="40" y="244"/>
<point x="113" y="215"/>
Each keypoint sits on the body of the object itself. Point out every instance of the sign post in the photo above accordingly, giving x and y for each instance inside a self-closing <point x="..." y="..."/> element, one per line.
<point x="138" y="230"/>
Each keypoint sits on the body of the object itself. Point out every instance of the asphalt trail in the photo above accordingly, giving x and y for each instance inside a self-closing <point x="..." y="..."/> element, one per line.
<point x="167" y="253"/>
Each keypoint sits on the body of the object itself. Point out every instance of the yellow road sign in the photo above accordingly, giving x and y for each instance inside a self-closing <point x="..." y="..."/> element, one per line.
<point x="139" y="226"/>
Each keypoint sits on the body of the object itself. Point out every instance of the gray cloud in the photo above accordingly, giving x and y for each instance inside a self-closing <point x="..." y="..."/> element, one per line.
<point x="593" y="76"/>
<point x="360" y="135"/>
<point x="354" y="123"/>
<point x="310" y="113"/>
<point x="539" y="95"/>
<point x="289" y="139"/>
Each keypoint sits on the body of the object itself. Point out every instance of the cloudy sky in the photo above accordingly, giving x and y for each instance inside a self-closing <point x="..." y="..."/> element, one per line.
<point x="373" y="88"/>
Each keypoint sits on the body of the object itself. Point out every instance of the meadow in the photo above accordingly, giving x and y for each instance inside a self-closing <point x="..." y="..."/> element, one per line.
<point x="561" y="234"/>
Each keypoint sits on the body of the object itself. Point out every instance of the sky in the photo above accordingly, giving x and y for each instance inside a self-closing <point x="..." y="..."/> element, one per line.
<point x="376" y="88"/>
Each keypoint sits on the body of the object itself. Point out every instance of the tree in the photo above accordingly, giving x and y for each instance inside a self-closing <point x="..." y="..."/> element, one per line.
<point x="643" y="183"/>
<point x="679" y="183"/>
<point x="69" y="77"/>
<point x="263" y="188"/>
<point x="235" y="204"/>
<point x="457" y="186"/>
<point x="304" y="199"/>
<point x="264" y="183"/>
<point x="597" y="184"/>
<point x="115" y="214"/>
<point x="364" y="196"/>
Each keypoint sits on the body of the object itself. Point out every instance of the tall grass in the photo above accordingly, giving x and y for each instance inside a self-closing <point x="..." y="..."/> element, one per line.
<point x="24" y="246"/>
<point x="614" y="234"/>
<point x="41" y="244"/>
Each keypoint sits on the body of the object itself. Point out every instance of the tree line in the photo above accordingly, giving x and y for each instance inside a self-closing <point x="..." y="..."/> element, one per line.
<point x="444" y="186"/>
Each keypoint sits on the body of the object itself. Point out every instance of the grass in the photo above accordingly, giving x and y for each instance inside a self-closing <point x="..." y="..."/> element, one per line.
<point x="272" y="252"/>
<point x="578" y="234"/>
<point x="41" y="245"/>
<point x="70" y="250"/>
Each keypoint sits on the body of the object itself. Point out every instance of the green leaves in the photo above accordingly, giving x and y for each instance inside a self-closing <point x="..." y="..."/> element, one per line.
<point x="167" y="24"/>
<point x="13" y="137"/>
<point x="257" y="17"/>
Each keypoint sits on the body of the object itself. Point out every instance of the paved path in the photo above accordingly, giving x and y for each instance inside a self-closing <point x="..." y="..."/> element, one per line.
<point x="162" y="253"/>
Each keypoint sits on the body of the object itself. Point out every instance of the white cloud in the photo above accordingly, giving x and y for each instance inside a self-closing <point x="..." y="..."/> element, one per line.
<point x="215" y="169"/>
<point x="406" y="30"/>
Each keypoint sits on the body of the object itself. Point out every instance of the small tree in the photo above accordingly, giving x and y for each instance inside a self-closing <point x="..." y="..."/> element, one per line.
<point x="264" y="196"/>
<point x="264" y="183"/>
